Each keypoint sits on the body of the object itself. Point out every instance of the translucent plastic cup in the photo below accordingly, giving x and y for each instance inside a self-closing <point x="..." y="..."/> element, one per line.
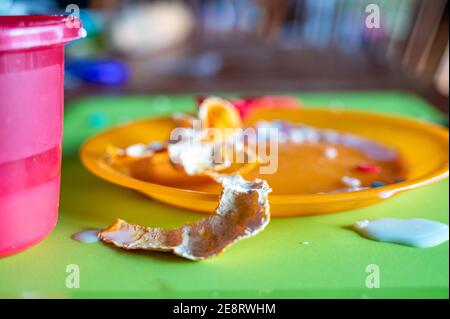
<point x="31" y="109"/>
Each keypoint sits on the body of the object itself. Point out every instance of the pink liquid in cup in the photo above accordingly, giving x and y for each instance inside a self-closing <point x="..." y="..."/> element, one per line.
<point x="31" y="110"/>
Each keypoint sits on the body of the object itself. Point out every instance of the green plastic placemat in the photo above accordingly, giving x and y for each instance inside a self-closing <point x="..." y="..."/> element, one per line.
<point x="316" y="256"/>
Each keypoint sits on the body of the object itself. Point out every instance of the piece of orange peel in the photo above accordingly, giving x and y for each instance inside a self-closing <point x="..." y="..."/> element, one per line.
<point x="243" y="208"/>
<point x="243" y="211"/>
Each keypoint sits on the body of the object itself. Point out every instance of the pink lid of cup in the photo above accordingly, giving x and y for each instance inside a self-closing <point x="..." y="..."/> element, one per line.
<point x="26" y="32"/>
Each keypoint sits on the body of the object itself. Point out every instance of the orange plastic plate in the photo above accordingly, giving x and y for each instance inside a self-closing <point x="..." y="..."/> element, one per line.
<point x="423" y="146"/>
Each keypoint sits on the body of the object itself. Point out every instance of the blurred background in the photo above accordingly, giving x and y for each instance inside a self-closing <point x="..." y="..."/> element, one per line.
<point x="203" y="46"/>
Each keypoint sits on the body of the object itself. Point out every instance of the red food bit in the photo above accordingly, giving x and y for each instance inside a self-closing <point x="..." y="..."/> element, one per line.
<point x="368" y="168"/>
<point x="243" y="106"/>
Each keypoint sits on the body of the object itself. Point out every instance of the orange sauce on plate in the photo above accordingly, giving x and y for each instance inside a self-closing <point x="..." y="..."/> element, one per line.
<point x="302" y="169"/>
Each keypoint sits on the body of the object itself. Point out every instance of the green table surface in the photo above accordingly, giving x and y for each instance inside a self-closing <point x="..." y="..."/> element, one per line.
<point x="274" y="264"/>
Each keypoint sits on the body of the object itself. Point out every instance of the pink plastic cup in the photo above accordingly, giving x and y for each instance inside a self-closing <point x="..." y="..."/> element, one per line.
<point x="31" y="109"/>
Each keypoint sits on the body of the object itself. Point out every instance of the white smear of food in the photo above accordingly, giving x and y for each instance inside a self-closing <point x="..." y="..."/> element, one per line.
<point x="191" y="153"/>
<point x="136" y="150"/>
<point x="283" y="137"/>
<point x="87" y="236"/>
<point x="297" y="136"/>
<point x="331" y="152"/>
<point x="141" y="150"/>
<point x="312" y="135"/>
<point x="386" y="194"/>
<point x="416" y="232"/>
<point x="300" y="134"/>
<point x="351" y="182"/>
<point x="194" y="158"/>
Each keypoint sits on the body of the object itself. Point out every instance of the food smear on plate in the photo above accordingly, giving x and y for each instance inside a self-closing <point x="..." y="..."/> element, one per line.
<point x="415" y="232"/>
<point x="309" y="160"/>
<point x="317" y="161"/>
<point x="243" y="211"/>
<point x="132" y="152"/>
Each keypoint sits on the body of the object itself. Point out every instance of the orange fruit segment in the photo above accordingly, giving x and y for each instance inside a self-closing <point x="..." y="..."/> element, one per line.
<point x="220" y="114"/>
